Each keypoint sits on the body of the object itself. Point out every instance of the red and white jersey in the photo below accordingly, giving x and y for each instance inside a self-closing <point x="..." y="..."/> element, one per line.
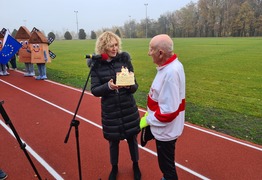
<point x="166" y="101"/>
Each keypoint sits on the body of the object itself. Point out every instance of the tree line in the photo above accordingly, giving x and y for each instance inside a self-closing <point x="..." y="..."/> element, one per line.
<point x="205" y="18"/>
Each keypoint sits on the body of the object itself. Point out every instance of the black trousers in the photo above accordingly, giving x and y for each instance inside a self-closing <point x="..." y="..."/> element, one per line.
<point x="13" y="63"/>
<point x="166" y="158"/>
<point x="133" y="150"/>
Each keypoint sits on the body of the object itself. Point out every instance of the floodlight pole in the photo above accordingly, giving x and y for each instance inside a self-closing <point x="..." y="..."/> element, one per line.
<point x="76" y="24"/>
<point x="130" y="28"/>
<point x="146" y="18"/>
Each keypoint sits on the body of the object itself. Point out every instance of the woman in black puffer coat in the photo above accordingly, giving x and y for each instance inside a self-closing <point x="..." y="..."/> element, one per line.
<point x="120" y="117"/>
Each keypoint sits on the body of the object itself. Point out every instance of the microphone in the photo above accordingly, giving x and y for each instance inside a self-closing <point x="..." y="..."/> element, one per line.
<point x="91" y="59"/>
<point x="97" y="56"/>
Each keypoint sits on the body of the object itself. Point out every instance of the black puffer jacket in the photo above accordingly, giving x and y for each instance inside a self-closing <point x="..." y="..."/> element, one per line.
<point x="120" y="117"/>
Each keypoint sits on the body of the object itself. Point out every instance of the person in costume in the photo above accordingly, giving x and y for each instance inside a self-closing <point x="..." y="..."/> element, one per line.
<point x="24" y="54"/>
<point x="39" y="53"/>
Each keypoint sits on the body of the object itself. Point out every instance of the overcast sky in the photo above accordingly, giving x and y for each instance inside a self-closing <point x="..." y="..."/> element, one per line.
<point x="61" y="15"/>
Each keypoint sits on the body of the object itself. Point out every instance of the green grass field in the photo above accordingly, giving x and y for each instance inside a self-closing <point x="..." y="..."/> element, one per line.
<point x="223" y="78"/>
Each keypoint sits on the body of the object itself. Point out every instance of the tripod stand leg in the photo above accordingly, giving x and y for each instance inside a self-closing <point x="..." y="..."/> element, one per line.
<point x="22" y="145"/>
<point x="75" y="123"/>
<point x="78" y="148"/>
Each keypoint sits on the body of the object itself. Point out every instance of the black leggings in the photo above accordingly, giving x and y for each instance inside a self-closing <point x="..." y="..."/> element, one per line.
<point x="133" y="150"/>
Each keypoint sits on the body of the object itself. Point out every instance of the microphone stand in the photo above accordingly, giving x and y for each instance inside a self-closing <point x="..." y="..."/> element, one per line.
<point x="75" y="123"/>
<point x="22" y="145"/>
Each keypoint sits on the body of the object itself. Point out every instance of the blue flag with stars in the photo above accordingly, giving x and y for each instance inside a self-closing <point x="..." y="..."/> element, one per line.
<point x="10" y="48"/>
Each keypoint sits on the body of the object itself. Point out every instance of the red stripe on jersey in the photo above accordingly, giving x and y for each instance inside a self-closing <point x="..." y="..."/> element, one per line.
<point x="153" y="106"/>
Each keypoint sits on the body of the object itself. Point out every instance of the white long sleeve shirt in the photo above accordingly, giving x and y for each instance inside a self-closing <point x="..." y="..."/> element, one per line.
<point x="166" y="101"/>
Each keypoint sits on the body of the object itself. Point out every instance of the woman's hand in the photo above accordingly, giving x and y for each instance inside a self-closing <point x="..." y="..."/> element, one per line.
<point x="112" y="85"/>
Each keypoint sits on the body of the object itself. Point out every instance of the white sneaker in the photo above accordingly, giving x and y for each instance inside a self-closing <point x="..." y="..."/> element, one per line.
<point x="31" y="74"/>
<point x="43" y="77"/>
<point x="1" y="73"/>
<point x="38" y="78"/>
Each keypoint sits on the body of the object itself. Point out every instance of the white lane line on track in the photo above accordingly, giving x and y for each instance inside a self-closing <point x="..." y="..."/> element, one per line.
<point x="188" y="125"/>
<point x="35" y="155"/>
<point x="97" y="125"/>
<point x="226" y="138"/>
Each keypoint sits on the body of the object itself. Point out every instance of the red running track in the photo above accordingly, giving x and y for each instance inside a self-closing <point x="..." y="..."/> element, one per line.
<point x="41" y="112"/>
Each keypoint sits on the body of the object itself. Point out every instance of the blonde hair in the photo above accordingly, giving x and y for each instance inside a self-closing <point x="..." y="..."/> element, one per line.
<point x="104" y="40"/>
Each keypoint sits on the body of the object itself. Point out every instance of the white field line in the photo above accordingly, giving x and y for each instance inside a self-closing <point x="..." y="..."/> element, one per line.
<point x="97" y="125"/>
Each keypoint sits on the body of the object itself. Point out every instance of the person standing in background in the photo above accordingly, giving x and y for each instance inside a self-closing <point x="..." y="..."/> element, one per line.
<point x="38" y="44"/>
<point x="24" y="54"/>
<point x="13" y="63"/>
<point x="3" y="70"/>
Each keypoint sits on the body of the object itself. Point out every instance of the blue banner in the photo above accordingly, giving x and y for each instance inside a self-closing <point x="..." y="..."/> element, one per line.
<point x="10" y="48"/>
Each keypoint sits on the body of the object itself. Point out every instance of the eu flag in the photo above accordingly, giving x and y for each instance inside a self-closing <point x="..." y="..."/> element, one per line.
<point x="10" y="48"/>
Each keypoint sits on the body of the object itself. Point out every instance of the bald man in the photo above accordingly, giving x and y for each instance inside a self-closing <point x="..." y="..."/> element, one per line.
<point x="166" y="103"/>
